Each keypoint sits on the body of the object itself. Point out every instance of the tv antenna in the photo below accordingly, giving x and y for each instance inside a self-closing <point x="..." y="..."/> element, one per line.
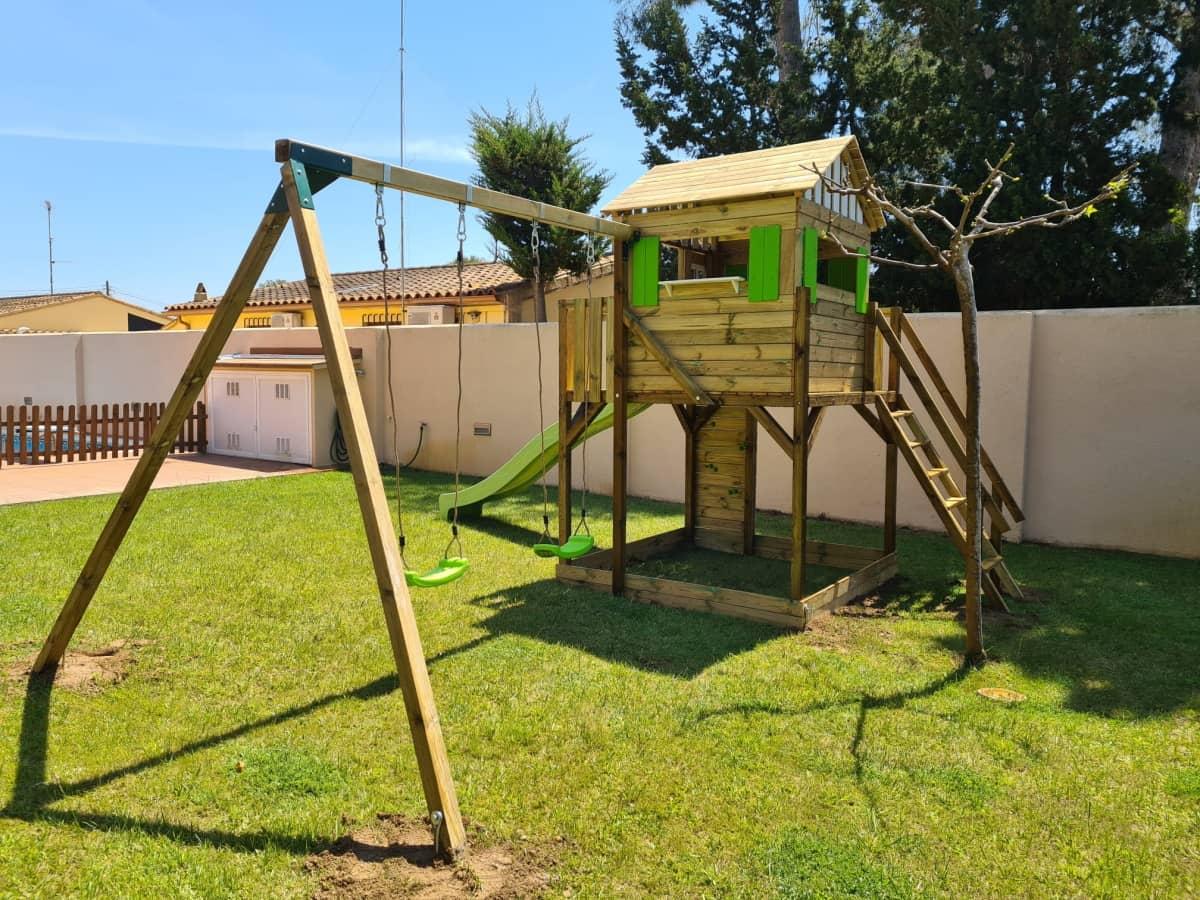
<point x="50" y="242"/>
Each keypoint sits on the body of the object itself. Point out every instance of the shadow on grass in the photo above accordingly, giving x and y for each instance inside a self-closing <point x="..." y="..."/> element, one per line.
<point x="32" y="795"/>
<point x="651" y="638"/>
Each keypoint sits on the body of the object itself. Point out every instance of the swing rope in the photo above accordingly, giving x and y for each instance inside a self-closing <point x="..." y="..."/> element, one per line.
<point x="380" y="229"/>
<point x="587" y="379"/>
<point x="535" y="242"/>
<point x="454" y="538"/>
<point x="580" y="540"/>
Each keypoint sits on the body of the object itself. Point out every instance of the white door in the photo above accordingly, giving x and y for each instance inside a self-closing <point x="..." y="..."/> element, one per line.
<point x="233" y="414"/>
<point x="283" y="418"/>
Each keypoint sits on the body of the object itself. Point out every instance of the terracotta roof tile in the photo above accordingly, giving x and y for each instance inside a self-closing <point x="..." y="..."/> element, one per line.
<point x="427" y="283"/>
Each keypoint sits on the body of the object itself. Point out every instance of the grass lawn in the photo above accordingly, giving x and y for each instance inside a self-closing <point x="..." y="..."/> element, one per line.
<point x="661" y="753"/>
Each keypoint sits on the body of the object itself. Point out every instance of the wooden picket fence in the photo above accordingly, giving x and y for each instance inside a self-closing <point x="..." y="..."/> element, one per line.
<point x="34" y="435"/>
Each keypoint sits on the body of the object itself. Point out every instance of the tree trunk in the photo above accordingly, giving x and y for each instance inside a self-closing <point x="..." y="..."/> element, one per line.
<point x="964" y="284"/>
<point x="1179" y="147"/>
<point x="787" y="37"/>
<point x="539" y="301"/>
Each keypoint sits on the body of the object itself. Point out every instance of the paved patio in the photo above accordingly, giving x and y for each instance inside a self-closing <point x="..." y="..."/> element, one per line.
<point x="30" y="484"/>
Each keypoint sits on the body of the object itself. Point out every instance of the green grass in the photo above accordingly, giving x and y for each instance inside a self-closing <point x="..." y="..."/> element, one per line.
<point x="674" y="753"/>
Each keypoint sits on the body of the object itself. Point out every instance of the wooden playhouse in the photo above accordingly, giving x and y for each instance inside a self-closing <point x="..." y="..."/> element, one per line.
<point x="744" y="302"/>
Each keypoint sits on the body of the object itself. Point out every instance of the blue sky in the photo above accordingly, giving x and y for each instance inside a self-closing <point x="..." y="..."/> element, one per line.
<point x="150" y="125"/>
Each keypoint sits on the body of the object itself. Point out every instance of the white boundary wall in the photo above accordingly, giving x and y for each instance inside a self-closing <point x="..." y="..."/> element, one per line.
<point x="1093" y="416"/>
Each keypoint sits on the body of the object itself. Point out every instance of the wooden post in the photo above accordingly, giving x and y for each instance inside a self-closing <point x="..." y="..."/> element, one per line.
<point x="432" y="760"/>
<point x="564" y="422"/>
<point x="891" y="456"/>
<point x="799" y="442"/>
<point x="689" y="477"/>
<point x="620" y="351"/>
<point x="750" y="485"/>
<point x="186" y="392"/>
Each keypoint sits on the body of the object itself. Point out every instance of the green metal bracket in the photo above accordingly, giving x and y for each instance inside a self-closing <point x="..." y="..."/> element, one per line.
<point x="320" y="158"/>
<point x="306" y="183"/>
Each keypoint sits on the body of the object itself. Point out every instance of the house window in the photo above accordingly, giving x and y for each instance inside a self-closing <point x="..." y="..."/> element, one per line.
<point x="474" y="315"/>
<point x="258" y="321"/>
<point x="396" y="318"/>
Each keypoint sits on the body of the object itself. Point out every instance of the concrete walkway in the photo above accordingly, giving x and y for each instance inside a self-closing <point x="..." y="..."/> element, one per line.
<point x="31" y="484"/>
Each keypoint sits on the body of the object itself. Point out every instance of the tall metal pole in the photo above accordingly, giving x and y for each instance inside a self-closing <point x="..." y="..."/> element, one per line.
<point x="50" y="242"/>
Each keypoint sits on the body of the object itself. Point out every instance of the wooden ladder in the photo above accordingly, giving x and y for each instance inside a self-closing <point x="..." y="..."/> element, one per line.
<point x="944" y="494"/>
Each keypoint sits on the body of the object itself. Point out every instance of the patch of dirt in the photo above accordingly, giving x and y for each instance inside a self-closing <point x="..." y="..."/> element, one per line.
<point x="393" y="857"/>
<point x="88" y="671"/>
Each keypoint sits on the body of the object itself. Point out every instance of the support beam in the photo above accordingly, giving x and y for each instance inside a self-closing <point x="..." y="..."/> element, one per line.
<point x="358" y="168"/>
<point x="816" y="416"/>
<point x="151" y="460"/>
<point x="432" y="760"/>
<point x="750" y="485"/>
<point x="654" y="347"/>
<point x="800" y="337"/>
<point x="777" y="432"/>
<point x="620" y="355"/>
<point x="891" y="454"/>
<point x="580" y="422"/>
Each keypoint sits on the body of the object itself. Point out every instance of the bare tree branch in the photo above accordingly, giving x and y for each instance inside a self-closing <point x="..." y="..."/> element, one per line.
<point x="848" y="252"/>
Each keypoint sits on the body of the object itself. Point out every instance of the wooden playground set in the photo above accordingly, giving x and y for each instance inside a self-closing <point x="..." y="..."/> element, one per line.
<point x="767" y="318"/>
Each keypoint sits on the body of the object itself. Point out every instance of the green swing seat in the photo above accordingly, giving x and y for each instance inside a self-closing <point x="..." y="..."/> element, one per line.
<point x="447" y="570"/>
<point x="575" y="547"/>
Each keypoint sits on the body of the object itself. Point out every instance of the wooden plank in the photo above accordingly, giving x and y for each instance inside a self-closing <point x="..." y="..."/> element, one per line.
<point x="717" y="336"/>
<point x="697" y="394"/>
<point x="414" y="182"/>
<point x="800" y="388"/>
<point x="594" y="309"/>
<point x="999" y="486"/>
<point x="71" y="428"/>
<point x="833" y="555"/>
<point x="9" y="427"/>
<point x="816" y="415"/>
<point x="722" y="352"/>
<point x="23" y="434"/>
<point x="891" y="457"/>
<point x="780" y="208"/>
<point x="835" y="339"/>
<point x="766" y="316"/>
<point x="848" y="589"/>
<point x="710" y="385"/>
<point x="432" y="760"/>
<point x="147" y="467"/>
<point x="835" y="325"/>
<point x="773" y="428"/>
<point x="639" y="550"/>
<point x="36" y="441"/>
<point x="620" y="401"/>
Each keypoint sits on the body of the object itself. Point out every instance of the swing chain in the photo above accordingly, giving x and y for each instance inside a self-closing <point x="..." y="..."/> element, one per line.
<point x="587" y="380"/>
<point x="380" y="226"/>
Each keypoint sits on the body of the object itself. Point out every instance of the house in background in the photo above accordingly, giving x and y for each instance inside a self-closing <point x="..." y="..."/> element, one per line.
<point x="429" y="296"/>
<point x="75" y="311"/>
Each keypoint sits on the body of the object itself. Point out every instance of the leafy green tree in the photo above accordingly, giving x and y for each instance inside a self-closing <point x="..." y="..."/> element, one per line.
<point x="720" y="90"/>
<point x="933" y="86"/>
<point x="532" y="156"/>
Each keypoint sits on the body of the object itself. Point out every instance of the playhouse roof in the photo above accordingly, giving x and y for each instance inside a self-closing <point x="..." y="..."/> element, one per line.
<point x="745" y="176"/>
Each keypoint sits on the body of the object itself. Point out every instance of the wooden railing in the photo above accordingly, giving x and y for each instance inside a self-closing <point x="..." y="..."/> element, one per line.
<point x="33" y="435"/>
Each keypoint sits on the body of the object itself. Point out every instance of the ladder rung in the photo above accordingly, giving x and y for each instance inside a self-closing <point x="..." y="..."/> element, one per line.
<point x="934" y="473"/>
<point x="914" y="444"/>
<point x="951" y="502"/>
<point x="991" y="562"/>
<point x="901" y="413"/>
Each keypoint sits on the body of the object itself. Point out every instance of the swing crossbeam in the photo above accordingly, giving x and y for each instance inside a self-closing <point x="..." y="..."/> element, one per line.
<point x="324" y="162"/>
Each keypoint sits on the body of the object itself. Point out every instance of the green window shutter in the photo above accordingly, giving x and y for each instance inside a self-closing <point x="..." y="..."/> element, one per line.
<point x="862" y="288"/>
<point x="645" y="272"/>
<point x="765" y="243"/>
<point x="808" y="279"/>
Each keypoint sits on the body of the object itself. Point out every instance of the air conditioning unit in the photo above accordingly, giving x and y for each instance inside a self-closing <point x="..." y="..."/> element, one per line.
<point x="285" y="320"/>
<point x="431" y="315"/>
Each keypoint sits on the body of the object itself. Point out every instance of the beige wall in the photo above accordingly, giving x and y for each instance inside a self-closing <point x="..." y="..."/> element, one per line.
<point x="1093" y="416"/>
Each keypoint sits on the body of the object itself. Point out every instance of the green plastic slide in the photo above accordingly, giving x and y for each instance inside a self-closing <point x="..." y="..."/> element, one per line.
<point x="525" y="467"/>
